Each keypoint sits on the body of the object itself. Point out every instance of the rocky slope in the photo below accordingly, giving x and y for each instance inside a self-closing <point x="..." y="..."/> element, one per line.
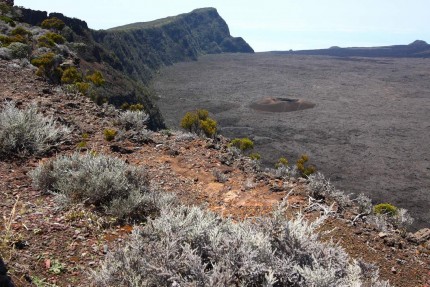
<point x="46" y="244"/>
<point x="59" y="246"/>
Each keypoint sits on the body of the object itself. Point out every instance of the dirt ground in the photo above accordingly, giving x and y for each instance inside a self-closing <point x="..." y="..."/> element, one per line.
<point x="369" y="131"/>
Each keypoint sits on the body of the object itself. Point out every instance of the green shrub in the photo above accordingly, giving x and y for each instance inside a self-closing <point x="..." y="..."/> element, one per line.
<point x="202" y="114"/>
<point x="71" y="76"/>
<point x="243" y="144"/>
<point x="209" y="127"/>
<point x="50" y="39"/>
<point x="385" y="208"/>
<point x="304" y="170"/>
<point x="82" y="88"/>
<point x="96" y="78"/>
<point x="199" y="122"/>
<point x="124" y="106"/>
<point x="7" y="40"/>
<point x="8" y="20"/>
<point x="46" y="60"/>
<point x="44" y="41"/>
<point x="20" y="31"/>
<point x="108" y="183"/>
<point x="136" y="107"/>
<point x="26" y="131"/>
<point x="255" y="156"/>
<point x="19" y="50"/>
<point x="282" y="161"/>
<point x="132" y="107"/>
<point x="53" y="23"/>
<point x="48" y="67"/>
<point x="110" y="134"/>
<point x="82" y="145"/>
<point x="190" y="122"/>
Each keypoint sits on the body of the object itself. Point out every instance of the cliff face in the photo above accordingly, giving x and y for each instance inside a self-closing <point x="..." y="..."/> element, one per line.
<point x="143" y="48"/>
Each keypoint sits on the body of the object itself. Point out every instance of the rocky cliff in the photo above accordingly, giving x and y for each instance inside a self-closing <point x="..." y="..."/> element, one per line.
<point x="128" y="56"/>
<point x="143" y="48"/>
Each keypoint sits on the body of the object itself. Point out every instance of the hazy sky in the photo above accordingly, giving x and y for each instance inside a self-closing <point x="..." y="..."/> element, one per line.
<point x="271" y="24"/>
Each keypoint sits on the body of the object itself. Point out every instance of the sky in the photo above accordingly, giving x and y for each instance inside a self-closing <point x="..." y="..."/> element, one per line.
<point x="271" y="24"/>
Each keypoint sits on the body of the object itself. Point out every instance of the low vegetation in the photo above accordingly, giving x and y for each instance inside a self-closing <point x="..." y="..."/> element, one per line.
<point x="53" y="23"/>
<point x="7" y="40"/>
<point x="8" y="20"/>
<point x="71" y="76"/>
<point x="26" y="131"/>
<point x="132" y="120"/>
<point x="385" y="208"/>
<point x="302" y="166"/>
<point x="255" y="156"/>
<point x="282" y="162"/>
<point x="108" y="183"/>
<point x="243" y="144"/>
<point x="200" y="123"/>
<point x="110" y="134"/>
<point x="188" y="246"/>
<point x="96" y="78"/>
<point x="19" y="50"/>
<point x="48" y="67"/>
<point x="21" y="31"/>
<point x="132" y="107"/>
<point x="383" y="216"/>
<point x="50" y="39"/>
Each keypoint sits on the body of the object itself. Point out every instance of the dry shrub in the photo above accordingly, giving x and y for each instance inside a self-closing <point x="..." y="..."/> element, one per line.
<point x="188" y="246"/>
<point x="108" y="183"/>
<point x="26" y="131"/>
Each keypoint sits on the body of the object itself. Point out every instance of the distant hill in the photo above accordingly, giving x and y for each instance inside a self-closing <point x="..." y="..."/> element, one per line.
<point x="417" y="49"/>
<point x="144" y="47"/>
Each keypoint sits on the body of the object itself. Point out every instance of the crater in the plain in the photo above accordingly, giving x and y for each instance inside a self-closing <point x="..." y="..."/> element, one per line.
<point x="281" y="105"/>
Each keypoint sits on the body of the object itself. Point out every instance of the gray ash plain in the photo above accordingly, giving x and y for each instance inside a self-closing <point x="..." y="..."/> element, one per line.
<point x="369" y="131"/>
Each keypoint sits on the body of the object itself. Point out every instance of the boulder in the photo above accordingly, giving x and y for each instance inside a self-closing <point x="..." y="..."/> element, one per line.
<point x="420" y="236"/>
<point x="5" y="280"/>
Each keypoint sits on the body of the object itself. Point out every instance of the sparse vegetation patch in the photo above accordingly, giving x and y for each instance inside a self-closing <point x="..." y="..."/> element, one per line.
<point x="110" y="134"/>
<point x="50" y="39"/>
<point x="199" y="122"/>
<point x="187" y="246"/>
<point x="385" y="208"/>
<point x="108" y="183"/>
<point x="27" y="132"/>
<point x="243" y="144"/>
<point x="48" y="66"/>
<point x="133" y="120"/>
<point x="53" y="23"/>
